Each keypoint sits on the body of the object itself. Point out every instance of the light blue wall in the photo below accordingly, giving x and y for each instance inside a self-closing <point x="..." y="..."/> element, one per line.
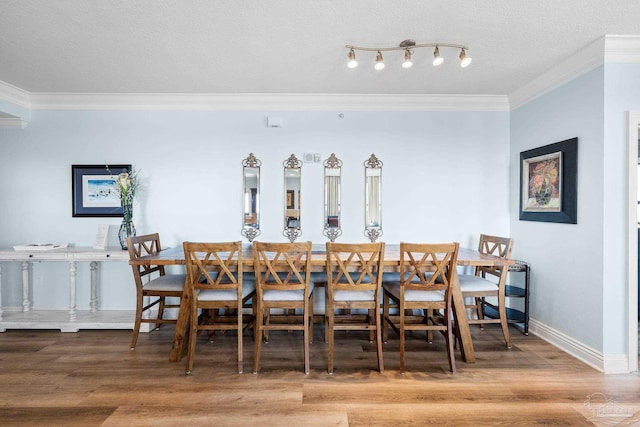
<point x="566" y="259"/>
<point x="579" y="271"/>
<point x="444" y="178"/>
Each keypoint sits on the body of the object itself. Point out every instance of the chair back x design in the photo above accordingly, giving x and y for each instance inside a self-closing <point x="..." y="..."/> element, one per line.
<point x="282" y="272"/>
<point x="427" y="275"/>
<point x="354" y="280"/>
<point x="152" y="282"/>
<point x="479" y="287"/>
<point x="215" y="282"/>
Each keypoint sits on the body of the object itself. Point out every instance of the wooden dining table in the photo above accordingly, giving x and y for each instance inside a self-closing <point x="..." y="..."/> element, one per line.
<point x="466" y="257"/>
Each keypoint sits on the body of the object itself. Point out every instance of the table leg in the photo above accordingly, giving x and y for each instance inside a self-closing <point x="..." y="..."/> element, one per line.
<point x="181" y="334"/>
<point x="26" y="303"/>
<point x="72" y="291"/>
<point x="93" y="302"/>
<point x="462" y="326"/>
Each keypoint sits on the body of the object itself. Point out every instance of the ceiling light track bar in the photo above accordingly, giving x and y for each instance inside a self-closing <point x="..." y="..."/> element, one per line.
<point x="414" y="46"/>
<point x="408" y="46"/>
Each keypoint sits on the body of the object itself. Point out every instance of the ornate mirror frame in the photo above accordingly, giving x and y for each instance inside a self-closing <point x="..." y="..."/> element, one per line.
<point x="292" y="198"/>
<point x="251" y="197"/>
<point x="332" y="221"/>
<point x="373" y="198"/>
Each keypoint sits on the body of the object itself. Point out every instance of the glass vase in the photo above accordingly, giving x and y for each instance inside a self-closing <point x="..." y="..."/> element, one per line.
<point x="126" y="228"/>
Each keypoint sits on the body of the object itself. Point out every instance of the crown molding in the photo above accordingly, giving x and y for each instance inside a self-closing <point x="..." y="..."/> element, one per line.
<point x="268" y="102"/>
<point x="625" y="49"/>
<point x="12" y="123"/>
<point x="15" y="95"/>
<point x="607" y="49"/>
<point x="585" y="60"/>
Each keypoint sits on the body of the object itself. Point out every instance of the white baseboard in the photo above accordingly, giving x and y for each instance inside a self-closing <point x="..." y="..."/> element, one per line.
<point x="607" y="363"/>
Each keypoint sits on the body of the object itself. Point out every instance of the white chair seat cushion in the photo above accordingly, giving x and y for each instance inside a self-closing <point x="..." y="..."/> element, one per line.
<point x="412" y="295"/>
<point x="340" y="295"/>
<point x="248" y="286"/>
<point x="471" y="283"/>
<point x="168" y="282"/>
<point x="285" y="295"/>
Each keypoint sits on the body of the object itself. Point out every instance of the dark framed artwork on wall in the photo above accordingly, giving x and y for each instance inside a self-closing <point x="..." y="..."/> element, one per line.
<point x="93" y="190"/>
<point x="548" y="183"/>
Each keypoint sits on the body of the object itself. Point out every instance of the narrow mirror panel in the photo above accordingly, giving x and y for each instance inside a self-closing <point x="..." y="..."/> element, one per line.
<point x="332" y="172"/>
<point x="292" y="198"/>
<point x="372" y="198"/>
<point x="251" y="197"/>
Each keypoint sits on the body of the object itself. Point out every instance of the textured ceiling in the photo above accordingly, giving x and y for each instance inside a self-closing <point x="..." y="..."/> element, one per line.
<point x="292" y="46"/>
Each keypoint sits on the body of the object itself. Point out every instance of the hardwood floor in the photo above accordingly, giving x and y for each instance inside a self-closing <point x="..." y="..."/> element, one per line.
<point x="91" y="378"/>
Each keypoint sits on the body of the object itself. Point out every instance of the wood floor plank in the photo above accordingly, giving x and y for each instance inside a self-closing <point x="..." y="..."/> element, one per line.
<point x="92" y="378"/>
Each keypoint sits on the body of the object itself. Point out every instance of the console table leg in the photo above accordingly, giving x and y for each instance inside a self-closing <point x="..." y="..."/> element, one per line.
<point x="0" y="291"/>
<point x="26" y="303"/>
<point x="72" y="291"/>
<point x="93" y="302"/>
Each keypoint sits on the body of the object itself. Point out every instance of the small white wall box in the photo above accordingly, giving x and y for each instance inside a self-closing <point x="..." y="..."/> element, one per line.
<point x="274" y="122"/>
<point x="308" y="157"/>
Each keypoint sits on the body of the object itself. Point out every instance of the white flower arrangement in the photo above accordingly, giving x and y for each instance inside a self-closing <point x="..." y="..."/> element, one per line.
<point x="127" y="185"/>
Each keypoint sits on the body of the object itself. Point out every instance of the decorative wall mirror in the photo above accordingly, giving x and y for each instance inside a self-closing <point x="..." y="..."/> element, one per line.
<point x="292" y="199"/>
<point x="332" y="223"/>
<point x="251" y="197"/>
<point x="372" y="199"/>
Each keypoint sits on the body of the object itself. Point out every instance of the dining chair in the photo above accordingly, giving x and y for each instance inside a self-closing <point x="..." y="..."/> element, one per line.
<point x="282" y="273"/>
<point x="354" y="280"/>
<point x="152" y="282"/>
<point x="488" y="282"/>
<point x="215" y="284"/>
<point x="427" y="274"/>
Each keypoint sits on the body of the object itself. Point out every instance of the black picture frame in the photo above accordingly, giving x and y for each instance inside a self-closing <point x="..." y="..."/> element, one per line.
<point x="93" y="196"/>
<point x="542" y="198"/>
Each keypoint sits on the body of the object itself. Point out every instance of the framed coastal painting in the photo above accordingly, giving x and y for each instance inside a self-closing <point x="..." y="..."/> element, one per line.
<point x="548" y="180"/>
<point x="93" y="190"/>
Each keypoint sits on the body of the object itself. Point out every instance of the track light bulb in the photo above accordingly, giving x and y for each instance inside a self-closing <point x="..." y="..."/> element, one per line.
<point x="353" y="63"/>
<point x="379" y="62"/>
<point x="408" y="63"/>
<point x="464" y="59"/>
<point x="437" y="59"/>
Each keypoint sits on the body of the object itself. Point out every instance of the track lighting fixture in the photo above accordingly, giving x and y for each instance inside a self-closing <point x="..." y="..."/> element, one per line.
<point x="379" y="61"/>
<point x="408" y="47"/>
<point x="464" y="59"/>
<point x="437" y="59"/>
<point x="353" y="63"/>
<point x="408" y="63"/>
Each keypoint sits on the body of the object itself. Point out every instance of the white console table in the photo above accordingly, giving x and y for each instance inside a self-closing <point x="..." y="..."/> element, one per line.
<point x="71" y="320"/>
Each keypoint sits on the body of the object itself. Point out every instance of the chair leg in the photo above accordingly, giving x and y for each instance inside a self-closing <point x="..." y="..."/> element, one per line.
<point x="210" y="317"/>
<point x="311" y="318"/>
<point x="267" y="321"/>
<point x="429" y="317"/>
<point x="240" y="352"/>
<point x="402" y="338"/>
<point x="372" y="322"/>
<point x="137" y="323"/>
<point x="379" y="340"/>
<point x="306" y="333"/>
<point x="479" y="312"/>
<point x="257" y="334"/>
<point x="385" y="316"/>
<point x="160" y="311"/>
